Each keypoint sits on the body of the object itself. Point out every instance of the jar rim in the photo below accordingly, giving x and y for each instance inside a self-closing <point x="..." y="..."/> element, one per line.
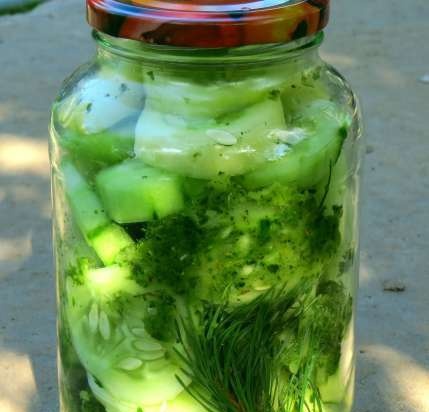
<point x="209" y="23"/>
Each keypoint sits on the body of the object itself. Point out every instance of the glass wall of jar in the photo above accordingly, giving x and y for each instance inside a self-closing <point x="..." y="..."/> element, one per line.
<point x="205" y="229"/>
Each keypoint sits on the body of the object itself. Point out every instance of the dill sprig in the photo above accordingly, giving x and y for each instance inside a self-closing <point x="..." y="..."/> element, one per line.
<point x="300" y="393"/>
<point x="233" y="356"/>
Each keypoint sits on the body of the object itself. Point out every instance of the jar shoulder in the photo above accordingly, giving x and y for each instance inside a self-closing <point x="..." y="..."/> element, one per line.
<point x="111" y="109"/>
<point x="115" y="87"/>
<point x="96" y="96"/>
<point x="341" y="90"/>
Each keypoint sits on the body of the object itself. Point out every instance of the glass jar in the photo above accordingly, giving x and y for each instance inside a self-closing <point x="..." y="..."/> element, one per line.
<point x="205" y="193"/>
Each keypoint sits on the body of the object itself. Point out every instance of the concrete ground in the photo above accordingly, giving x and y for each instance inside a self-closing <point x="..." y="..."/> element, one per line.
<point x="381" y="46"/>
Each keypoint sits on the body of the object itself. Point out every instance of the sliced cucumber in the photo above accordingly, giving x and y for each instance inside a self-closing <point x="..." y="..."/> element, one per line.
<point x="308" y="162"/>
<point x="182" y="403"/>
<point x="106" y="282"/>
<point x="111" y="342"/>
<point x="133" y="192"/>
<point x="231" y="145"/>
<point x="99" y="102"/>
<point x="98" y="150"/>
<point x="109" y="242"/>
<point x="86" y="207"/>
<point x="210" y="99"/>
<point x="105" y="237"/>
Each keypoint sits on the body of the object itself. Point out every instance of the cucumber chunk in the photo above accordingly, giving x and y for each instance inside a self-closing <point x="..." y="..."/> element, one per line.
<point x="106" y="238"/>
<point x="99" y="102"/>
<point x="106" y="282"/>
<point x="109" y="242"/>
<point x="231" y="145"/>
<point x="309" y="161"/>
<point x="104" y="309"/>
<point x="86" y="207"/>
<point x="133" y="192"/>
<point x="98" y="150"/>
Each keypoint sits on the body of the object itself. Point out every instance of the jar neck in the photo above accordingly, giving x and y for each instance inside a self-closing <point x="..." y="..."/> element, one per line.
<point x="305" y="48"/>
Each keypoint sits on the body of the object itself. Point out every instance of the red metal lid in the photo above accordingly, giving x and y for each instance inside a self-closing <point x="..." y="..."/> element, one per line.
<point x="209" y="23"/>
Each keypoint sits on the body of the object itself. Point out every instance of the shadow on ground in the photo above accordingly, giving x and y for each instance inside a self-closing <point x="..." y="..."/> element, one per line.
<point x="8" y="7"/>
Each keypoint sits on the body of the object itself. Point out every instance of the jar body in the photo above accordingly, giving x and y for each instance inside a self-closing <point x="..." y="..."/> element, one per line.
<point x="206" y="240"/>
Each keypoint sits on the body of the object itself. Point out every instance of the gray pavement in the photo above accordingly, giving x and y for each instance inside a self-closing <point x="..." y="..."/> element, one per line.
<point x="381" y="46"/>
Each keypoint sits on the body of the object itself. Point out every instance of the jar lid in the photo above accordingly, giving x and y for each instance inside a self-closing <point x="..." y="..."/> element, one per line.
<point x="209" y="23"/>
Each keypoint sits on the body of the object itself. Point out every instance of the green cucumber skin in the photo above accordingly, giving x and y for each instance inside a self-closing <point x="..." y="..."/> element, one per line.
<point x="84" y="203"/>
<point x="93" y="152"/>
<point x="147" y="193"/>
<point x="106" y="238"/>
<point x="109" y="242"/>
<point x="309" y="161"/>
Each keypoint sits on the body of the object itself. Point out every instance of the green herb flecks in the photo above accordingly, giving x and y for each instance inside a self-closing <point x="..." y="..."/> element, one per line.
<point x="167" y="251"/>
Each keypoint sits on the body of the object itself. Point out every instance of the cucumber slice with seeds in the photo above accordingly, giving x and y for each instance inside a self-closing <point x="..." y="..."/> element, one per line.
<point x="105" y="309"/>
<point x="231" y="145"/>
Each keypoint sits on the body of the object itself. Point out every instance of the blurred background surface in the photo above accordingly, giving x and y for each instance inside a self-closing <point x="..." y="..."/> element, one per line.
<point x="382" y="47"/>
<point x="17" y="6"/>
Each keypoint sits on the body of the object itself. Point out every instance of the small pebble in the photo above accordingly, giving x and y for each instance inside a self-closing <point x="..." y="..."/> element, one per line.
<point x="425" y="78"/>
<point x="393" y="286"/>
<point x="369" y="149"/>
